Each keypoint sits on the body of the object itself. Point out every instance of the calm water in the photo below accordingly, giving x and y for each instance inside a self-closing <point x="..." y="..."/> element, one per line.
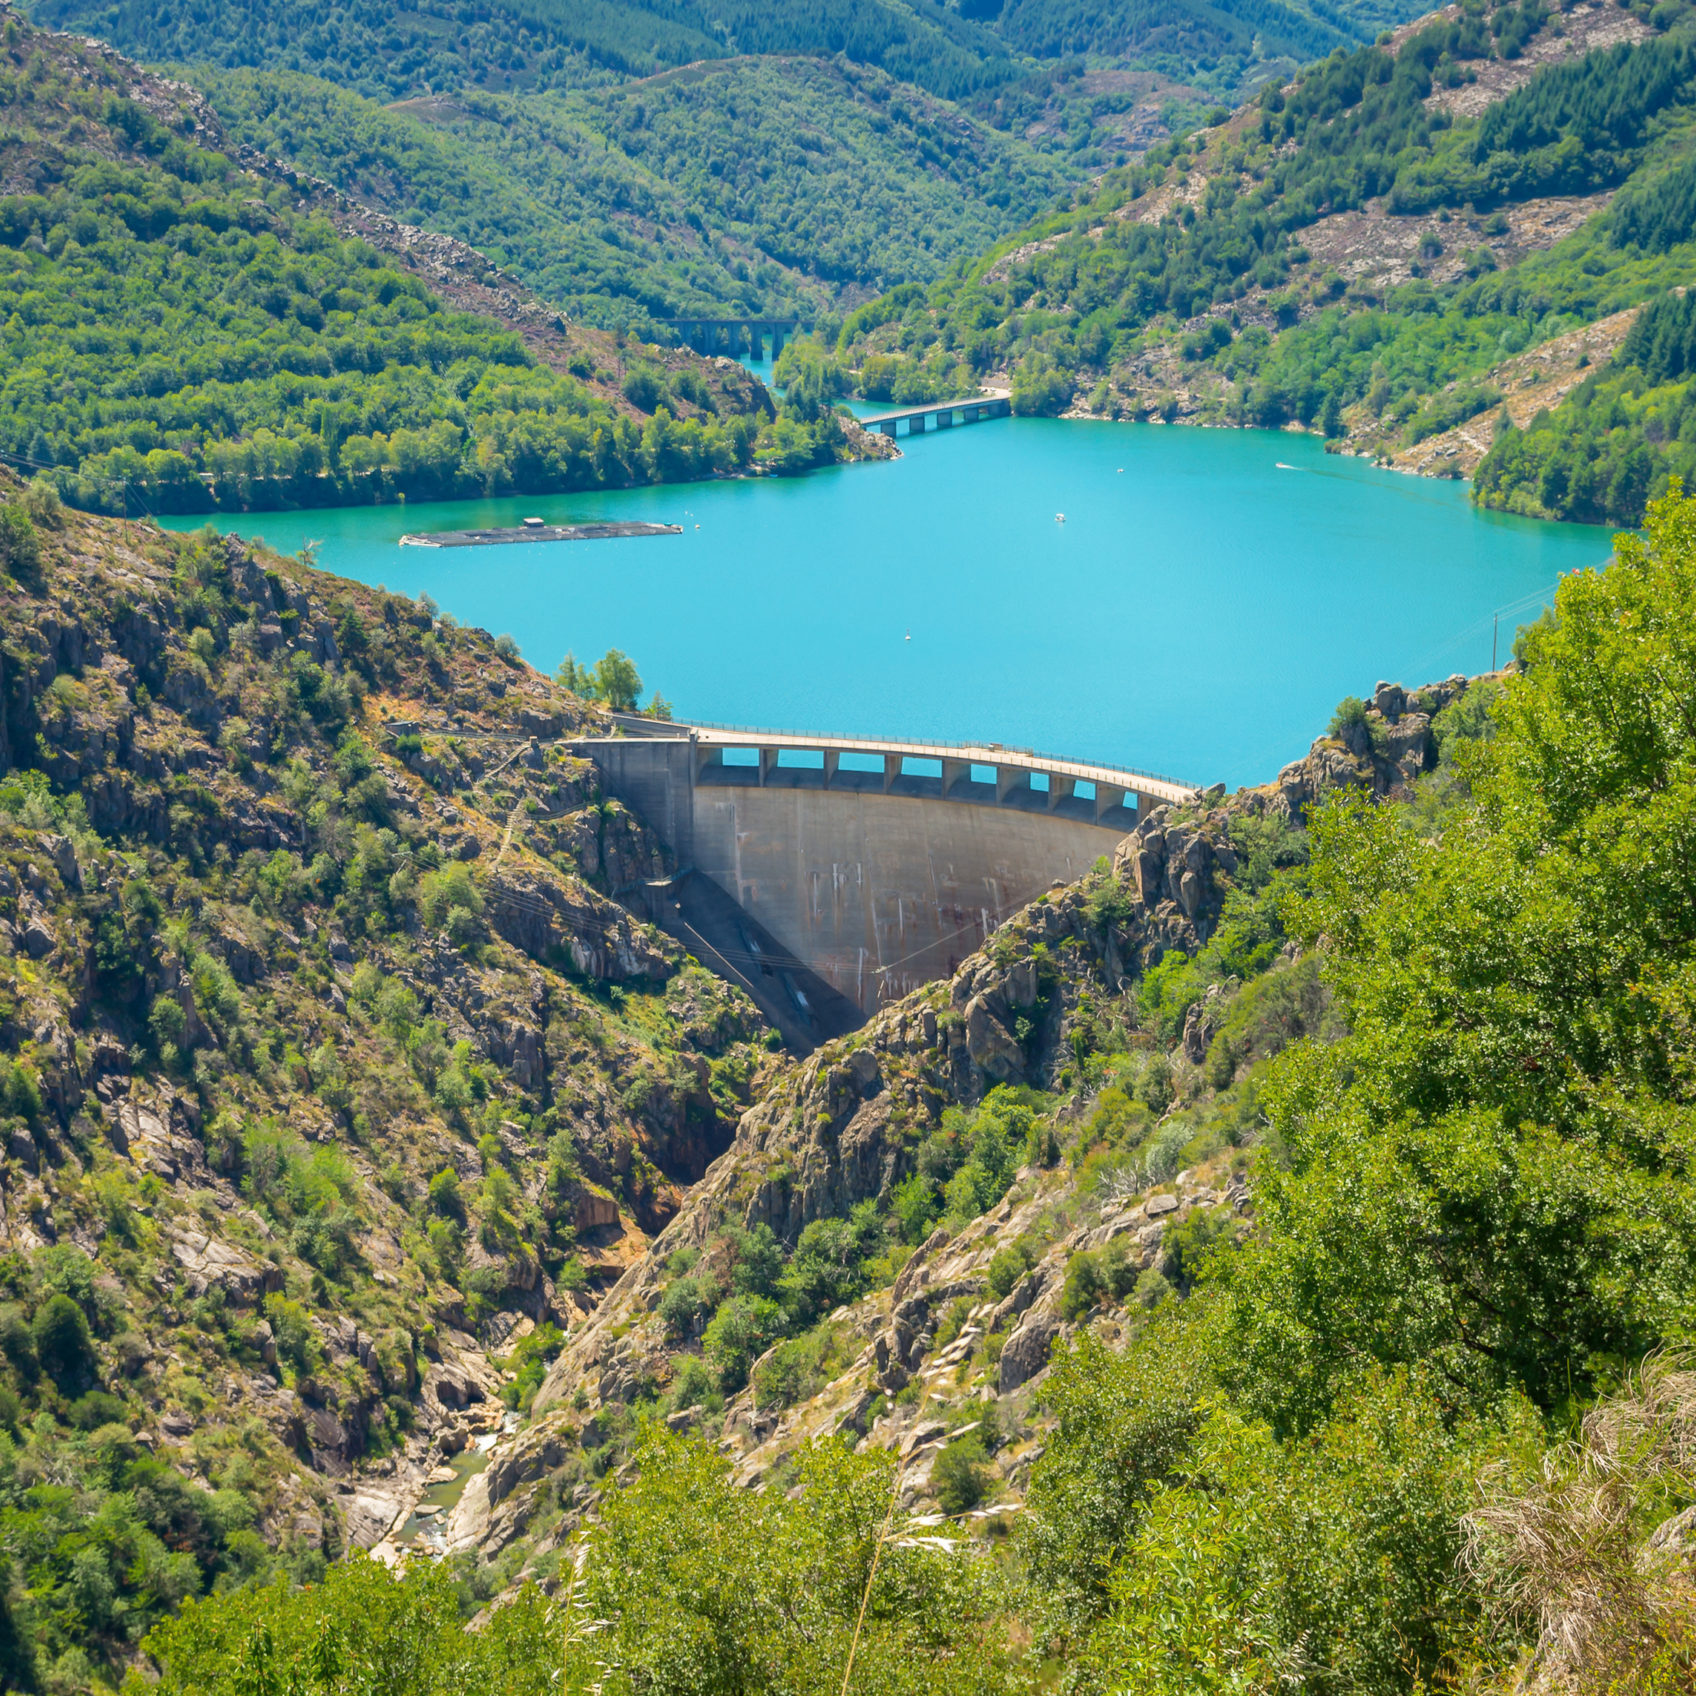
<point x="1210" y="597"/>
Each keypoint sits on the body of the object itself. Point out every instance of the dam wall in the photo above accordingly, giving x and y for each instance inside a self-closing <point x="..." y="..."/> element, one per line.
<point x="882" y="893"/>
<point x="875" y="868"/>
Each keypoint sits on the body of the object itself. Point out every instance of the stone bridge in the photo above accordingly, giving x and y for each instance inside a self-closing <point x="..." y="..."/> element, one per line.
<point x="857" y="869"/>
<point x="734" y="336"/>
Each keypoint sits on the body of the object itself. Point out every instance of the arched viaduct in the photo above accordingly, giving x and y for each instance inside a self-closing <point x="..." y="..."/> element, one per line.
<point x="845" y="872"/>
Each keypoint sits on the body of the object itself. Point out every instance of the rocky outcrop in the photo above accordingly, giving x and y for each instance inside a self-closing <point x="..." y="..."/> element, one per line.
<point x="1382" y="753"/>
<point x="558" y="924"/>
<point x="210" y="1264"/>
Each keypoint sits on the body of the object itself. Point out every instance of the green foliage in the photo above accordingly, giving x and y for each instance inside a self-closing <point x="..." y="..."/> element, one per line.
<point x="63" y="1345"/>
<point x="1007" y="1266"/>
<point x="529" y="1361"/>
<point x="710" y="1587"/>
<point x="742" y="1329"/>
<point x="960" y="1475"/>
<point x="362" y="1616"/>
<point x="20" y="546"/>
<point x="1345" y="1551"/>
<point x="1527" y="1102"/>
<point x="830" y="1264"/>
<point x="1085" y="293"/>
<point x="265" y="361"/>
<point x="1618" y="440"/>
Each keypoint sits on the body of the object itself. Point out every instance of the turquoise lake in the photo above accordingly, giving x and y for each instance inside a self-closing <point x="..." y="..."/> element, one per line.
<point x="1209" y="598"/>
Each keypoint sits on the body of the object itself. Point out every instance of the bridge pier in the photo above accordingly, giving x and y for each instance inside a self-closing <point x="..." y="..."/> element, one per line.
<point x="710" y="336"/>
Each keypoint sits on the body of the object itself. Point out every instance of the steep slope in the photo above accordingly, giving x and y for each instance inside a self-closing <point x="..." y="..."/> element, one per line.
<point x="187" y="332"/>
<point x="978" y="47"/>
<point x="777" y="185"/>
<point x="333" y="1088"/>
<point x="1356" y="253"/>
<point x="634" y="160"/>
<point x="907" y="1224"/>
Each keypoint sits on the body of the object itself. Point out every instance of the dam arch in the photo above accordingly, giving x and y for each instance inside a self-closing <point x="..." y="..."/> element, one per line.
<point x="877" y="866"/>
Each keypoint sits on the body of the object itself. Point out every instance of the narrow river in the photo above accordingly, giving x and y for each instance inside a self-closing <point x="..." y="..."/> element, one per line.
<point x="1209" y="597"/>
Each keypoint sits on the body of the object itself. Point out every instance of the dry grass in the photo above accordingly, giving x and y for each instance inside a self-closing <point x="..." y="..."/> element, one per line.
<point x="1614" y="1607"/>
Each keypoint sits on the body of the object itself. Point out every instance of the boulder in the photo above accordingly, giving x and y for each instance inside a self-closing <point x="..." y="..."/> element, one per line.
<point x="992" y="1050"/>
<point x="1025" y="1353"/>
<point x="207" y="1262"/>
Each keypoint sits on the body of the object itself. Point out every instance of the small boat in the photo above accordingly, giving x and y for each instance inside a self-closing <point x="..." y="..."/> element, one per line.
<point x="1059" y="518"/>
<point x="909" y="635"/>
<point x="534" y="523"/>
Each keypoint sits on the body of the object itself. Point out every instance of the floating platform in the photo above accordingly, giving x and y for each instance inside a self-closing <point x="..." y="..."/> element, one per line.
<point x="534" y="530"/>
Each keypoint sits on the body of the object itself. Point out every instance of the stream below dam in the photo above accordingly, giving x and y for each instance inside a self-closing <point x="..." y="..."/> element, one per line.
<point x="1207" y="600"/>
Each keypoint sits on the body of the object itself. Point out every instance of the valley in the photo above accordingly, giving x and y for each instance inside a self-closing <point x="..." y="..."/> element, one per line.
<point x="509" y="1184"/>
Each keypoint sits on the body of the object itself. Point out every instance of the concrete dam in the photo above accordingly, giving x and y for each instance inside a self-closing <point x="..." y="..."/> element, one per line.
<point x="831" y="875"/>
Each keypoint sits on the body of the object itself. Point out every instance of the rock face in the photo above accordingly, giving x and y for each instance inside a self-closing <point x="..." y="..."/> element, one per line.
<point x="1381" y="755"/>
<point x="241" y="1042"/>
<point x="553" y="922"/>
<point x="210" y="1264"/>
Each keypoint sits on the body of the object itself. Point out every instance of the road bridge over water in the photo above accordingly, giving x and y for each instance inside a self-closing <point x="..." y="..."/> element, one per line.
<point x="939" y="415"/>
<point x="864" y="866"/>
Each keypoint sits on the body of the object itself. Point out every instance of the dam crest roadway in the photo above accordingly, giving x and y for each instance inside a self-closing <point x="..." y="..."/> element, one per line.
<point x="830" y="875"/>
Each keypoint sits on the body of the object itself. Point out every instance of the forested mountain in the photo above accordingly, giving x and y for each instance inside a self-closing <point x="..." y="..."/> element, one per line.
<point x="1382" y="250"/>
<point x="182" y="333"/>
<point x="955" y="51"/>
<point x="777" y="185"/>
<point x="807" y="157"/>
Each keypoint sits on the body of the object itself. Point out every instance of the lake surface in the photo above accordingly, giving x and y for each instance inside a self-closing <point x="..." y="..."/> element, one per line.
<point x="1209" y="598"/>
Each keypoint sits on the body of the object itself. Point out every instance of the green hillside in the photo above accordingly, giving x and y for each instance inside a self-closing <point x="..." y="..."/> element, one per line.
<point x="956" y="51"/>
<point x="762" y="185"/>
<point x="185" y="334"/>
<point x="505" y="44"/>
<point x="1204" y="282"/>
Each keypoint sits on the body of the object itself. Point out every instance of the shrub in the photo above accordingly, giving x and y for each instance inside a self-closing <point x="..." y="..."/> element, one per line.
<point x="693" y="1384"/>
<point x="20" y="547"/>
<point x="960" y="1476"/>
<point x="444" y="892"/>
<point x="1007" y="1266"/>
<point x="1351" y="711"/>
<point x="62" y="1343"/>
<point x="685" y="1305"/>
<point x="1084" y="1285"/>
<point x="742" y="1329"/>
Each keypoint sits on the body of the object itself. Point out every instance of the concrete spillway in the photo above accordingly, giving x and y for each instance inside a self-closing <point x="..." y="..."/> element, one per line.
<point x="877" y="866"/>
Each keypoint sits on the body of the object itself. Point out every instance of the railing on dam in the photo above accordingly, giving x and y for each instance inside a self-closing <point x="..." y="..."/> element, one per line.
<point x="987" y="774"/>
